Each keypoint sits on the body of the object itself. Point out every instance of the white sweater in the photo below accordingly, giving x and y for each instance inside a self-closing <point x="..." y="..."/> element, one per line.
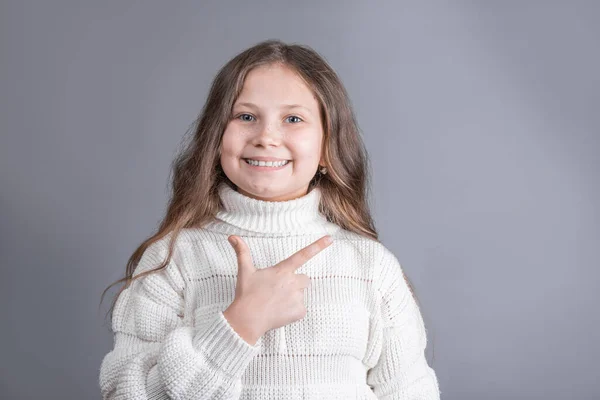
<point x="363" y="336"/>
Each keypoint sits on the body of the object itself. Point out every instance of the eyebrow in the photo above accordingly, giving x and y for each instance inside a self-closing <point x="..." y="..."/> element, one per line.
<point x="285" y="106"/>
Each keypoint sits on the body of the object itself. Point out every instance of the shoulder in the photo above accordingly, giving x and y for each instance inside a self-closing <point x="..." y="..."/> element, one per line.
<point x="372" y="252"/>
<point x="360" y="246"/>
<point x="374" y="248"/>
<point x="388" y="273"/>
<point x="167" y="254"/>
<point x="153" y="256"/>
<point x="187" y="240"/>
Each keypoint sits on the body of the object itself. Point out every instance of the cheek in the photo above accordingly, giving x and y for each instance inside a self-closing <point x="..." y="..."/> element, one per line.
<point x="307" y="148"/>
<point x="228" y="144"/>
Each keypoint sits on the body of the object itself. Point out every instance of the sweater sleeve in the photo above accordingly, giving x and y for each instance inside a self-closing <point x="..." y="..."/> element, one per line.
<point x="158" y="356"/>
<point x="402" y="372"/>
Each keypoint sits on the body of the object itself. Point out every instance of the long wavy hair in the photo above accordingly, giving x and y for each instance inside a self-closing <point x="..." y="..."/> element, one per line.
<point x="197" y="173"/>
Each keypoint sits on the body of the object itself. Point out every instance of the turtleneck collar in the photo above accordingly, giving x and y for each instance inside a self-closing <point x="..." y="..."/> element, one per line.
<point x="241" y="214"/>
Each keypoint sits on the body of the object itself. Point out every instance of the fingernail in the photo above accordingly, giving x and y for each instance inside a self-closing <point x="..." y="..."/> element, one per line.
<point x="328" y="240"/>
<point x="232" y="240"/>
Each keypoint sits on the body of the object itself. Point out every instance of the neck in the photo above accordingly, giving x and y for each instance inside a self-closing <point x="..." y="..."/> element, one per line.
<point x="245" y="215"/>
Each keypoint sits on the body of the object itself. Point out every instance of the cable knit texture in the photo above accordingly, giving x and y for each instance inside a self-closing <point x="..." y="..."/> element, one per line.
<point x="363" y="336"/>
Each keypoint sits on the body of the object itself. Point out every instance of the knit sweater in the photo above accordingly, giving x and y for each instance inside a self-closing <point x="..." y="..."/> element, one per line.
<point x="363" y="336"/>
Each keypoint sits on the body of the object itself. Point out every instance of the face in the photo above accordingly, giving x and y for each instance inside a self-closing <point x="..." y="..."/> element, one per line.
<point x="276" y="117"/>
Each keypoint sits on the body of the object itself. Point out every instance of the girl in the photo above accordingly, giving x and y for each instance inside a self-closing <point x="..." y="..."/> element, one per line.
<point x="304" y="302"/>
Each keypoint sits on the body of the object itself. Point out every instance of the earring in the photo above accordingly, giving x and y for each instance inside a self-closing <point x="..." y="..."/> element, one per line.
<point x="323" y="170"/>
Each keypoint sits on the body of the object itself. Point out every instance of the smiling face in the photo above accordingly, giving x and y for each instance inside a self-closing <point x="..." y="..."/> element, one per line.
<point x="276" y="116"/>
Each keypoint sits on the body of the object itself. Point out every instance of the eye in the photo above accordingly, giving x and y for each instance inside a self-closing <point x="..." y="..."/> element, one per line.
<point x="241" y="116"/>
<point x="298" y="119"/>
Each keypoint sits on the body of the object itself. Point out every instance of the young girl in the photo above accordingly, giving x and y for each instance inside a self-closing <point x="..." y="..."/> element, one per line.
<point x="307" y="303"/>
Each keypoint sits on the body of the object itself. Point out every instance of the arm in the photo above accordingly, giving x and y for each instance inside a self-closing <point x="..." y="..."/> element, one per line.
<point x="402" y="372"/>
<point x="156" y="356"/>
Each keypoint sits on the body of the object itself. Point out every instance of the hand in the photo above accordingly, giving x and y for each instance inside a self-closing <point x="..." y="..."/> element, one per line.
<point x="272" y="297"/>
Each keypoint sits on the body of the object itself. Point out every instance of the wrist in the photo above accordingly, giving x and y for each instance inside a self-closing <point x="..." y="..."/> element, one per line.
<point x="239" y="320"/>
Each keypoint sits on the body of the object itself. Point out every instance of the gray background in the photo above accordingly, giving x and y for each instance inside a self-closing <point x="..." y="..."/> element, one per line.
<point x="482" y="123"/>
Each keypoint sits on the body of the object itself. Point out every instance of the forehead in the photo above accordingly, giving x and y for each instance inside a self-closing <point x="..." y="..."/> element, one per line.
<point x="275" y="85"/>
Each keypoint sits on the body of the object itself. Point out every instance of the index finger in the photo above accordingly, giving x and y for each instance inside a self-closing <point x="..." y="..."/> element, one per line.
<point x="300" y="257"/>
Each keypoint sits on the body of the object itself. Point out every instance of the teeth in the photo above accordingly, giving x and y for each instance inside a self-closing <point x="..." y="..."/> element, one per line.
<point x="267" y="163"/>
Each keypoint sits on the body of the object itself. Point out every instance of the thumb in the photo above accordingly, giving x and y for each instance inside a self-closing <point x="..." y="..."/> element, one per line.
<point x="242" y="252"/>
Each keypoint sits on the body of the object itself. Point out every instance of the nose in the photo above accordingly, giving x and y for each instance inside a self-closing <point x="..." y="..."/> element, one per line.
<point x="268" y="135"/>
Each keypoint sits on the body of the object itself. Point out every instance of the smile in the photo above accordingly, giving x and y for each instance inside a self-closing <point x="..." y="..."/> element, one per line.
<point x="266" y="165"/>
